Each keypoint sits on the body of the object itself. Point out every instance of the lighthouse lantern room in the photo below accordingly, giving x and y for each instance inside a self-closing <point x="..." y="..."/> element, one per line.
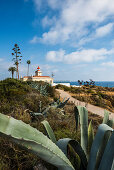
<point x="38" y="72"/>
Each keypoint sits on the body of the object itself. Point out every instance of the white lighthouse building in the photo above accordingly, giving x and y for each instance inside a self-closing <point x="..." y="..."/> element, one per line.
<point x="38" y="77"/>
<point x="38" y="72"/>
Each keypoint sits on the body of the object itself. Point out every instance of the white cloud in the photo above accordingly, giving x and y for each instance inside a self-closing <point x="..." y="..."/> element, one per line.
<point x="104" y="30"/>
<point x="35" y="40"/>
<point x="55" y="56"/>
<point x="81" y="56"/>
<point x="46" y="21"/>
<point x="99" y="32"/>
<point x="108" y="64"/>
<point x="74" y="17"/>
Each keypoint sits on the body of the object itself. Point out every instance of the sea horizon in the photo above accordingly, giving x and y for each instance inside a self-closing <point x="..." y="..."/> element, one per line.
<point x="97" y="83"/>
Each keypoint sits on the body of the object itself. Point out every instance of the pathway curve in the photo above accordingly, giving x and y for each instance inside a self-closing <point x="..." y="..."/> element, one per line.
<point x="93" y="109"/>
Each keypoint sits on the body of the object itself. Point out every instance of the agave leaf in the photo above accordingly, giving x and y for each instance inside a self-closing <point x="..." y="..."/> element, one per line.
<point x="106" y="117"/>
<point x="90" y="136"/>
<point x="62" y="104"/>
<point x="58" y="100"/>
<point x="76" y="113"/>
<point x="34" y="141"/>
<point x="64" y="99"/>
<point x="111" y="123"/>
<point x="63" y="145"/>
<point x="102" y="148"/>
<point x="107" y="161"/>
<point x="102" y="129"/>
<point x="84" y="127"/>
<point x="49" y="131"/>
<point x="46" y="110"/>
<point x="38" y="114"/>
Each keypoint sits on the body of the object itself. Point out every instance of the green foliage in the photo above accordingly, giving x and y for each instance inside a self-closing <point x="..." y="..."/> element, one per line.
<point x="34" y="141"/>
<point x="12" y="70"/>
<point x="16" y="58"/>
<point x="97" y="144"/>
<point x="84" y="127"/>
<point x="49" y="131"/>
<point x="16" y="94"/>
<point x="90" y="136"/>
<point x="106" y="119"/>
<point x="44" y="88"/>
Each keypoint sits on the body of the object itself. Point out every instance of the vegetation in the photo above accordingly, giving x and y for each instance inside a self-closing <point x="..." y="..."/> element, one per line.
<point x="96" y="95"/>
<point x="28" y="62"/>
<point x="86" y="83"/>
<point x="16" y="58"/>
<point x="18" y="99"/>
<point x="12" y="70"/>
<point x="37" y="143"/>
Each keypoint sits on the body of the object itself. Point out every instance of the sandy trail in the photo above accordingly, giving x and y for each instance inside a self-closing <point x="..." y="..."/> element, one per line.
<point x="94" y="109"/>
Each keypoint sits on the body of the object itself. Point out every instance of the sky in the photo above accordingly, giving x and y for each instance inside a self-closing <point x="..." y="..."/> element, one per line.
<point x="74" y="39"/>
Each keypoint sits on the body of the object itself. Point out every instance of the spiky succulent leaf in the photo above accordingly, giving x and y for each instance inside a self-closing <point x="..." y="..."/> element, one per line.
<point x="103" y="128"/>
<point x="34" y="141"/>
<point x="37" y="114"/>
<point x="49" y="131"/>
<point x="63" y="145"/>
<point x="106" y="117"/>
<point x="102" y="148"/>
<point x="90" y="136"/>
<point x="84" y="127"/>
<point x="62" y="104"/>
<point x="76" y="114"/>
<point x="111" y="123"/>
<point x="44" y="112"/>
<point x="107" y="161"/>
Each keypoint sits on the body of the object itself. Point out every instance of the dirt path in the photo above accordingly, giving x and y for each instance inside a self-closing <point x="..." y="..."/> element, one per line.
<point x="94" y="109"/>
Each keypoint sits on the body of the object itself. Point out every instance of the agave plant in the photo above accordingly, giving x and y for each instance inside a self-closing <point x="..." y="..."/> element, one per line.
<point x="87" y="132"/>
<point x="106" y="120"/>
<point x="55" y="152"/>
<point x="41" y="88"/>
<point x="43" y="113"/>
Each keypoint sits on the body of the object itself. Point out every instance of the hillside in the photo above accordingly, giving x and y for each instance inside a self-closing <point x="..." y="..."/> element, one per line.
<point x="17" y="99"/>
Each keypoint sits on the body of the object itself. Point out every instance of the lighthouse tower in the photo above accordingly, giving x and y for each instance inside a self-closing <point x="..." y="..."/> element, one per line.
<point x="38" y="72"/>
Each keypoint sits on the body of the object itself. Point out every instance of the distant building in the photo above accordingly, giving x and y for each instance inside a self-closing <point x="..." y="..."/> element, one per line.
<point x="38" y="77"/>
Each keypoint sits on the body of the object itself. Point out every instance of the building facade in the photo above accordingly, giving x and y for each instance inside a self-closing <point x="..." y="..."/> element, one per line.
<point x="38" y="77"/>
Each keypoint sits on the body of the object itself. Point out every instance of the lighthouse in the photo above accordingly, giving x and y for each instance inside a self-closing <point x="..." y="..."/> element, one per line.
<point x="38" y="77"/>
<point x="38" y="72"/>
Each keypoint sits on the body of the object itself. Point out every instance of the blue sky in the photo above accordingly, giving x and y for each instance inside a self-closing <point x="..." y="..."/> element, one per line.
<point x="74" y="39"/>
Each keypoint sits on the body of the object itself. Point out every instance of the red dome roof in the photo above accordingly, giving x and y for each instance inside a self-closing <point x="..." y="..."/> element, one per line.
<point x="38" y="68"/>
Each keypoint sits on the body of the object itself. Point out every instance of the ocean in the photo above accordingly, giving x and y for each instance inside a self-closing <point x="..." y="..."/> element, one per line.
<point x="97" y="83"/>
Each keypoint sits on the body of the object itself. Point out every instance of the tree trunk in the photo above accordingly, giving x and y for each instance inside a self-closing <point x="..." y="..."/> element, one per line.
<point x="12" y="74"/>
<point x="18" y="71"/>
<point x="28" y="71"/>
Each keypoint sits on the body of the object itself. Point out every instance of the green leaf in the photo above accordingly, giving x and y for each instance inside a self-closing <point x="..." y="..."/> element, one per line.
<point x="102" y="148"/>
<point x="34" y="141"/>
<point x="107" y="161"/>
<point x="90" y="136"/>
<point x="49" y="131"/>
<point x="62" y="104"/>
<point x="63" y="145"/>
<point x="76" y="114"/>
<point x="106" y="117"/>
<point x="110" y="123"/>
<point x="103" y="128"/>
<point x="84" y="127"/>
